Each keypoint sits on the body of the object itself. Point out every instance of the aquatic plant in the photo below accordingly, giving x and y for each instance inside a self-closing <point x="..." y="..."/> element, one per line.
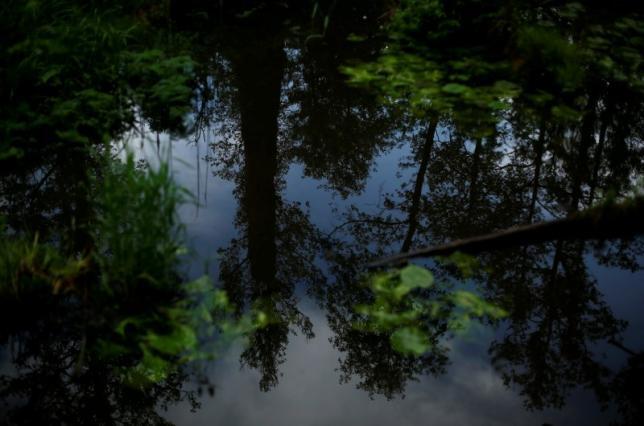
<point x="126" y="291"/>
<point x="398" y="308"/>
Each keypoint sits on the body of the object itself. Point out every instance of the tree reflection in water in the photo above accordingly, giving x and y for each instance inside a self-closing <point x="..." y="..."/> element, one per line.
<point x="267" y="98"/>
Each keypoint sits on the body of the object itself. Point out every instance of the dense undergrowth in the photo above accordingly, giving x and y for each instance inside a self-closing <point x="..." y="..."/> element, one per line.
<point x="125" y="294"/>
<point x="84" y="72"/>
<point x="77" y="75"/>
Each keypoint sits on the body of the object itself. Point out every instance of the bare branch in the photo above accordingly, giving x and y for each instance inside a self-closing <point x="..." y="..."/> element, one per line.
<point x="610" y="220"/>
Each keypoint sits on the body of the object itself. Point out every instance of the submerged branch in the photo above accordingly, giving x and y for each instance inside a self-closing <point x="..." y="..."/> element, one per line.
<point x="611" y="220"/>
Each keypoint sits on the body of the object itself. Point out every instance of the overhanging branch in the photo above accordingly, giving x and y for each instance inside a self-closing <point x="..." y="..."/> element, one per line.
<point x="609" y="220"/>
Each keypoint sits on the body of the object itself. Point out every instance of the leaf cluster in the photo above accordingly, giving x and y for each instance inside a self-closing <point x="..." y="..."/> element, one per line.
<point x="400" y="311"/>
<point x="80" y="71"/>
<point x="470" y="60"/>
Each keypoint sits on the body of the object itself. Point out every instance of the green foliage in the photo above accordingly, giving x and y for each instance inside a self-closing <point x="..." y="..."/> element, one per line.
<point x="76" y="71"/>
<point x="150" y="321"/>
<point x="434" y="65"/>
<point x="83" y="73"/>
<point x="468" y="306"/>
<point x="469" y="61"/>
<point x="140" y="243"/>
<point x="556" y="55"/>
<point x="28" y="267"/>
<point x="410" y="340"/>
<point x="467" y="265"/>
<point x="401" y="310"/>
<point x="199" y="326"/>
<point x="137" y="234"/>
<point x="162" y="86"/>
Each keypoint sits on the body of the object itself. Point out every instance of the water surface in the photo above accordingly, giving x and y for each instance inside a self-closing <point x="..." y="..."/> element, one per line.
<point x="300" y="180"/>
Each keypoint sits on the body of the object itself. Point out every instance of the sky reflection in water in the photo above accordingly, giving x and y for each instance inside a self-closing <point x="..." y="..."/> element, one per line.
<point x="309" y="390"/>
<point x="301" y="180"/>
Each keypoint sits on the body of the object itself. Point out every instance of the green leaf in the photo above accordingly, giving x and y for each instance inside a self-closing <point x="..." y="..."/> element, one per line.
<point x="414" y="276"/>
<point x="410" y="341"/>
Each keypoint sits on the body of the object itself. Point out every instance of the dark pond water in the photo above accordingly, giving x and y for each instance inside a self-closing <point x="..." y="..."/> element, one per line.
<point x="335" y="378"/>
<point x="300" y="181"/>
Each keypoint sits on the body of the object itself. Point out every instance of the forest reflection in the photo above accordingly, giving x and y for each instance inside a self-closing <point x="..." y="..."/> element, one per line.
<point x="281" y="102"/>
<point x="268" y="97"/>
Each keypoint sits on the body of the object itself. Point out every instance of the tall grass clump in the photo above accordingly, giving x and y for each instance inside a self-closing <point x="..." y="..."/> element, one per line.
<point x="138" y="235"/>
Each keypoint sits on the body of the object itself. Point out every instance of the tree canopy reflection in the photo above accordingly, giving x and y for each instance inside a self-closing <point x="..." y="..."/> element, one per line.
<point x="493" y="137"/>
